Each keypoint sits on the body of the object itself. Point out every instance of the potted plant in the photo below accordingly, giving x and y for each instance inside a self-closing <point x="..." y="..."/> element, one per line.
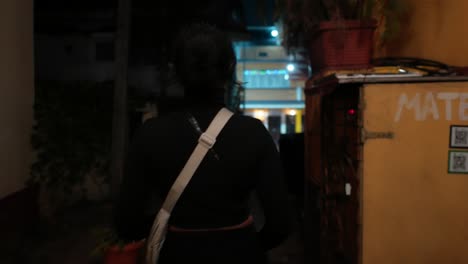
<point x="73" y="121"/>
<point x="114" y="250"/>
<point x="339" y="33"/>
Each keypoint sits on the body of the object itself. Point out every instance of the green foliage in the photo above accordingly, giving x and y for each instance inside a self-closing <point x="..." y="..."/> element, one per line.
<point x="391" y="13"/>
<point x="106" y="238"/>
<point x="72" y="134"/>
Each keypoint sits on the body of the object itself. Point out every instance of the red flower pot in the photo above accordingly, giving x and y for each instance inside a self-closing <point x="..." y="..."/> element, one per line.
<point x="128" y="254"/>
<point x="342" y="44"/>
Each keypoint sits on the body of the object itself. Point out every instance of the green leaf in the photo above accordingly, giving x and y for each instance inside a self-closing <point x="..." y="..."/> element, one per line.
<point x="70" y="135"/>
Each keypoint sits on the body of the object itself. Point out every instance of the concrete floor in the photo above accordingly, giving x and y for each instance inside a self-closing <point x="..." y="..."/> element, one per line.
<point x="72" y="239"/>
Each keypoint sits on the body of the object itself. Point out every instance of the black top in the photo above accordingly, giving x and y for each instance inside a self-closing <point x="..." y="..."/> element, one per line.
<point x="244" y="159"/>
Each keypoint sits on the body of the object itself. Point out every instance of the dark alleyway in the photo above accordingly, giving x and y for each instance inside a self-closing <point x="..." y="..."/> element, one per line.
<point x="71" y="240"/>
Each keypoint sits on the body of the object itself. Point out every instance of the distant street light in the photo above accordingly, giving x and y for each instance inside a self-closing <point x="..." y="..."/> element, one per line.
<point x="274" y="33"/>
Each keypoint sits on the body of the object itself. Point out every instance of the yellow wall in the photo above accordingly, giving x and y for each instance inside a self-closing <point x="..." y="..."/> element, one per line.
<point x="436" y="29"/>
<point x="414" y="211"/>
<point x="16" y="92"/>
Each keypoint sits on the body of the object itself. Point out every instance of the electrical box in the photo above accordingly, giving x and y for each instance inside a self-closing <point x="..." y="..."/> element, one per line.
<point x="387" y="165"/>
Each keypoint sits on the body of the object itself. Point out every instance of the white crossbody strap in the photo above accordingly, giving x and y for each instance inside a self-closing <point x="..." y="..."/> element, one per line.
<point x="160" y="224"/>
<point x="205" y="142"/>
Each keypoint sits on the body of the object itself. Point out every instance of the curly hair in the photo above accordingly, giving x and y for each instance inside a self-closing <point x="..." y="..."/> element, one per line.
<point x="204" y="60"/>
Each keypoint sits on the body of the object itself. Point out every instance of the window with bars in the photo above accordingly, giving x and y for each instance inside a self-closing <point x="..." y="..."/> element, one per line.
<point x="266" y="79"/>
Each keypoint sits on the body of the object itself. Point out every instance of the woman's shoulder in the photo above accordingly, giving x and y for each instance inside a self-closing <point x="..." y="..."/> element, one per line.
<point x="250" y="125"/>
<point x="249" y="121"/>
<point x="239" y="122"/>
<point x="159" y="124"/>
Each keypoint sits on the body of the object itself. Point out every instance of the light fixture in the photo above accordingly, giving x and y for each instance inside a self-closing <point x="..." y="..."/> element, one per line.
<point x="286" y="77"/>
<point x="290" y="67"/>
<point x="351" y="111"/>
<point x="274" y="33"/>
<point x="292" y="112"/>
<point x="260" y="114"/>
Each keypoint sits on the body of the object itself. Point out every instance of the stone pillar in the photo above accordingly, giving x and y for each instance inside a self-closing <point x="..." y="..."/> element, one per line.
<point x="16" y="93"/>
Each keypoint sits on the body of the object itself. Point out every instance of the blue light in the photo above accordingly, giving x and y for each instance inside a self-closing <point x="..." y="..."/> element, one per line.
<point x="266" y="72"/>
<point x="273" y="104"/>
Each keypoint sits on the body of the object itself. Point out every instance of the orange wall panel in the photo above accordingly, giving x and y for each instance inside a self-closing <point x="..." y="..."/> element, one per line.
<point x="434" y="29"/>
<point x="414" y="211"/>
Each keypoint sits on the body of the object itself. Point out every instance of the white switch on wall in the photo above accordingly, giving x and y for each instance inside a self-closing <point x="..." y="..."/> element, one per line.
<point x="348" y="189"/>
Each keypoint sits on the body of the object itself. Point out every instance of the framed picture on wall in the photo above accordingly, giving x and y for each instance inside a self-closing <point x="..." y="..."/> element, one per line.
<point x="458" y="162"/>
<point x="458" y="136"/>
